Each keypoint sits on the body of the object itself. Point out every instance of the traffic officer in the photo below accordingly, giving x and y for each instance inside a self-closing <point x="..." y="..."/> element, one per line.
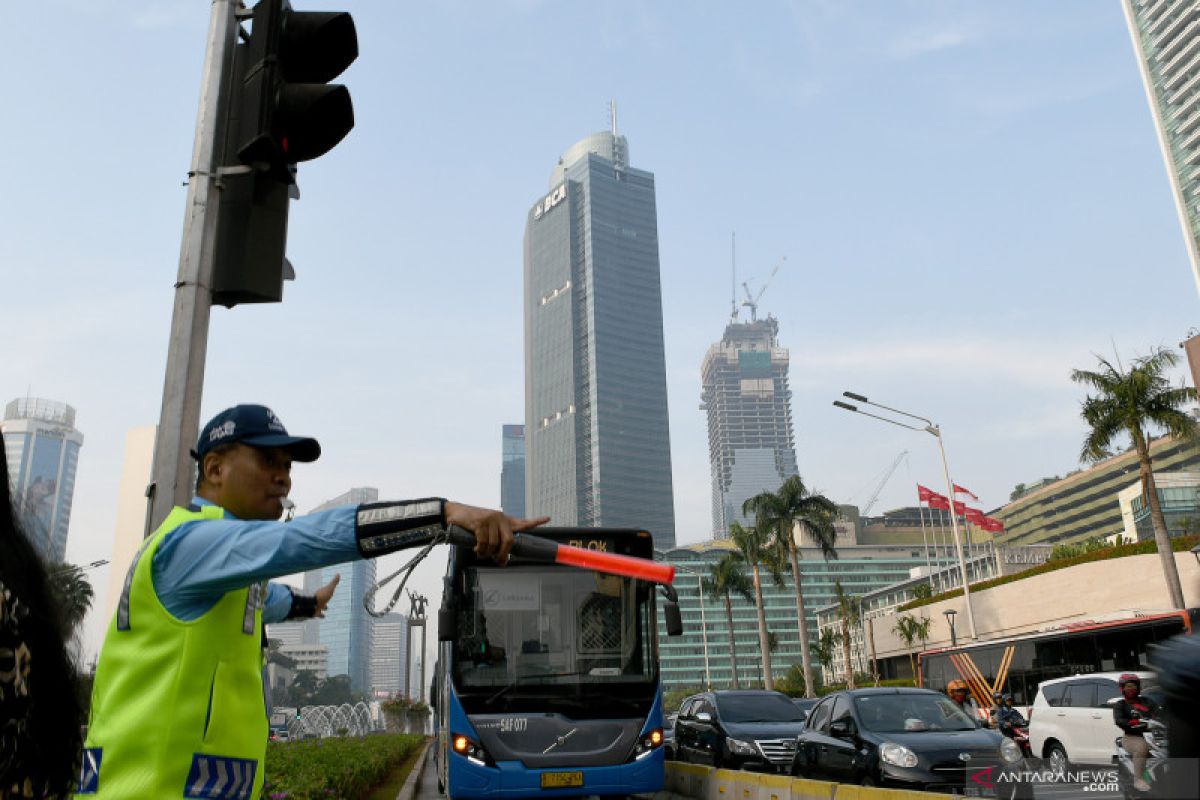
<point x="178" y="703"/>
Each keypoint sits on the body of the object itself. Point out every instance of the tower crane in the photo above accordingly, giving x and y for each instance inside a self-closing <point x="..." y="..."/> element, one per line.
<point x="886" y="477"/>
<point x="752" y="302"/>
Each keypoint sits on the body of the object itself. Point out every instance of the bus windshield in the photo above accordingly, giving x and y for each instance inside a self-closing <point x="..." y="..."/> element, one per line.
<point x="550" y="632"/>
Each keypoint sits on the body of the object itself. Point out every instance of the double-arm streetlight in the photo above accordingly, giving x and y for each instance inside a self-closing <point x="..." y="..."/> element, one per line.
<point x="703" y="620"/>
<point x="936" y="432"/>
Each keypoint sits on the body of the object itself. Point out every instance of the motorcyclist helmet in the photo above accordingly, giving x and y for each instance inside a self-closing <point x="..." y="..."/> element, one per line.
<point x="956" y="686"/>
<point x="1129" y="677"/>
<point x="997" y="697"/>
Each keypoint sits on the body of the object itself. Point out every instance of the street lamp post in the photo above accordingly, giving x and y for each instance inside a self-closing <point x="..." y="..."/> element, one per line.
<point x="950" y="613"/>
<point x="936" y="433"/>
<point x="703" y="619"/>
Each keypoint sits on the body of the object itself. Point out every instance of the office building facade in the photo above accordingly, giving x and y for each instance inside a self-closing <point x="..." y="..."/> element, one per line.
<point x="686" y="660"/>
<point x="512" y="471"/>
<point x="1086" y="504"/>
<point x="1166" y="42"/>
<point x="389" y="655"/>
<point x="347" y="630"/>
<point x="751" y="445"/>
<point x="42" y="450"/>
<point x="596" y="431"/>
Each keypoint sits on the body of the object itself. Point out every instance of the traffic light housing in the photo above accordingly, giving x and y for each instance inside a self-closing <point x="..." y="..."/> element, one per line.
<point x="280" y="110"/>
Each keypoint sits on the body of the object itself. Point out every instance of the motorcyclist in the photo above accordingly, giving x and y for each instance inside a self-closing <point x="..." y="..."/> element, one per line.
<point x="1004" y="716"/>
<point x="960" y="693"/>
<point x="1131" y="714"/>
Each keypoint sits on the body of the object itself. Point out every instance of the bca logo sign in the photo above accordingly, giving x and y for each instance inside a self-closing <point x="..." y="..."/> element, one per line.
<point x="551" y="200"/>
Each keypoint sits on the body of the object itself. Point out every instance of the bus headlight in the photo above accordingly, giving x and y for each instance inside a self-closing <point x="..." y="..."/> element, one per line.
<point x="647" y="743"/>
<point x="469" y="749"/>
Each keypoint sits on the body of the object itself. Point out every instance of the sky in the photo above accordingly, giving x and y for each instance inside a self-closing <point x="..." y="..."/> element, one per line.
<point x="969" y="196"/>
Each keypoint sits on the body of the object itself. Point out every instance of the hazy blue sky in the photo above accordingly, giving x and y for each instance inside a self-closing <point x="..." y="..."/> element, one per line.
<point x="970" y="197"/>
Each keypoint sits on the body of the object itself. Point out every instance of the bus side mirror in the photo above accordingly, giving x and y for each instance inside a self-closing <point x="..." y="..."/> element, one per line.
<point x="671" y="613"/>
<point x="447" y="624"/>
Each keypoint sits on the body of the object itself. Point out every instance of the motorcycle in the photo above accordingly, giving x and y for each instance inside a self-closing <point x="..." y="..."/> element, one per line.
<point x="1156" y="763"/>
<point x="1016" y="727"/>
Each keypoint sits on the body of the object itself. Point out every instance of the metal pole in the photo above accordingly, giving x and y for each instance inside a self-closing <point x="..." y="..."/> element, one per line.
<point x="962" y="563"/>
<point x="921" y="511"/>
<point x="703" y="630"/>
<point x="179" y="420"/>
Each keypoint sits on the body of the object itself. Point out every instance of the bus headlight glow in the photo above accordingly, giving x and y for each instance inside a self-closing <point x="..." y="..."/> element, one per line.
<point x="472" y="750"/>
<point x="647" y="743"/>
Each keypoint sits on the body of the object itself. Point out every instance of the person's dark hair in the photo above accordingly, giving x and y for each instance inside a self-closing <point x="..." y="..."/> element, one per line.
<point x="218" y="450"/>
<point x="41" y="714"/>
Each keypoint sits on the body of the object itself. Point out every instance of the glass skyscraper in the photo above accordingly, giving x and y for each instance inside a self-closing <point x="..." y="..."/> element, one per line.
<point x="596" y="433"/>
<point x="42" y="450"/>
<point x="745" y="393"/>
<point x="1166" y="40"/>
<point x="512" y="471"/>
<point x="347" y="629"/>
<point x="389" y="655"/>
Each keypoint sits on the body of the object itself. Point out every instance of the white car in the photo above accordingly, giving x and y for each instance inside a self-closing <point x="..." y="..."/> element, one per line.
<point x="1071" y="720"/>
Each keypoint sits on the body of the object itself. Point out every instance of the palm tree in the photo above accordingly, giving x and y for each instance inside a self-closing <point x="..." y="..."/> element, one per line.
<point x="780" y="512"/>
<point x="727" y="577"/>
<point x="74" y="593"/>
<point x="823" y="649"/>
<point x="850" y="614"/>
<point x="759" y="551"/>
<point x="1133" y="402"/>
<point x="906" y="629"/>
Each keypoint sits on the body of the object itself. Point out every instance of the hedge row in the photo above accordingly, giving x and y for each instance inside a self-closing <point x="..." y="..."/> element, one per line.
<point x="334" y="768"/>
<point x="1178" y="544"/>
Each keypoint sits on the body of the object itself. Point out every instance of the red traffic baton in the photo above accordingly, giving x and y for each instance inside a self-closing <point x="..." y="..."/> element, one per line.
<point x="535" y="548"/>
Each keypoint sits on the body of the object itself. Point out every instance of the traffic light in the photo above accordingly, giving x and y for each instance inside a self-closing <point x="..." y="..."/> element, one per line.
<point x="280" y="110"/>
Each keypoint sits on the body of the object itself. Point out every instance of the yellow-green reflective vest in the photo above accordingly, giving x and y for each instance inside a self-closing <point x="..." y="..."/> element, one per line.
<point x="177" y="707"/>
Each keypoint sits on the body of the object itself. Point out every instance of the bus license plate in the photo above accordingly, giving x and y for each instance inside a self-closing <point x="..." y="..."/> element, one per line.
<point x="559" y="780"/>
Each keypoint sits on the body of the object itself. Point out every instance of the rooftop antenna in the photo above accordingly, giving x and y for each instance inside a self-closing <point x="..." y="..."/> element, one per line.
<point x="733" y="304"/>
<point x="612" y="114"/>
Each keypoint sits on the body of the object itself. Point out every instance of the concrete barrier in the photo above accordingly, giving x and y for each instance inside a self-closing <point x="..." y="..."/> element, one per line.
<point x="705" y="783"/>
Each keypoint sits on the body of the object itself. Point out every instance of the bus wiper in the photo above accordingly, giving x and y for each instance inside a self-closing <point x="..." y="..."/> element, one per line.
<point x="521" y="678"/>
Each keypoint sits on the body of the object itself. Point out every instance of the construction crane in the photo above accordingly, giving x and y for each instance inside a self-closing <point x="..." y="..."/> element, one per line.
<point x="886" y="477"/>
<point x="752" y="302"/>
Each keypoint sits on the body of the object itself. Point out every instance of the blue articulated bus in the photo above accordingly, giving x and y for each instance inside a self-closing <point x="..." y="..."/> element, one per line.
<point x="547" y="680"/>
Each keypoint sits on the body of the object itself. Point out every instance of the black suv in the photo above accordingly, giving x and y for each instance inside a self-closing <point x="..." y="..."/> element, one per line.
<point x="750" y="729"/>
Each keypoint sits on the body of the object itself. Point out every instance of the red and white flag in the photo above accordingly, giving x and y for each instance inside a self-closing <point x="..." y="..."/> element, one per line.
<point x="937" y="501"/>
<point x="974" y="516"/>
<point x="960" y="490"/>
<point x="993" y="525"/>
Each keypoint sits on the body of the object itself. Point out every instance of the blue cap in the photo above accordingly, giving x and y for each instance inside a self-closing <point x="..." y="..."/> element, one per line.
<point x="256" y="426"/>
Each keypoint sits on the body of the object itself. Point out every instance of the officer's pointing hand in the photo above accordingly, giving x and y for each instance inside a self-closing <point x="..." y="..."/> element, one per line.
<point x="493" y="529"/>
<point x="325" y="594"/>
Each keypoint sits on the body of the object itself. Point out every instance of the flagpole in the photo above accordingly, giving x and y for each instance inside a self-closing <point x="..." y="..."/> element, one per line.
<point x="924" y="539"/>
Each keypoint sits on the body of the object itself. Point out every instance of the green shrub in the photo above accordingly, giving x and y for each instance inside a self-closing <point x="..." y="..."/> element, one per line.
<point x="333" y="769"/>
<point x="1179" y="544"/>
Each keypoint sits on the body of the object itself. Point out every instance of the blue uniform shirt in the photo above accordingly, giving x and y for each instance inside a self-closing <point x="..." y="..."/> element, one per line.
<point x="201" y="560"/>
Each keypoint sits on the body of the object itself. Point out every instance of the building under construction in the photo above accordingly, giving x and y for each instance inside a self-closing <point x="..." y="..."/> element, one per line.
<point x="751" y="446"/>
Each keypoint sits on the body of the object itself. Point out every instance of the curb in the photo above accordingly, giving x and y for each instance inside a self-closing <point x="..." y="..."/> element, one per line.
<point x="409" y="789"/>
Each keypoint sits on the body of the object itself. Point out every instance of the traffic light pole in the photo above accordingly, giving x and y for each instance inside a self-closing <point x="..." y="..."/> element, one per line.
<point x="179" y="420"/>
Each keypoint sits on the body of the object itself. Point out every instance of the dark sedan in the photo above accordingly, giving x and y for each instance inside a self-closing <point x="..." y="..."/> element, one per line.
<point x="904" y="738"/>
<point x="751" y="729"/>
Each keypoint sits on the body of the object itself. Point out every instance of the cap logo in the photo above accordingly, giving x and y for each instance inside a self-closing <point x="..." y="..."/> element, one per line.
<point x="273" y="422"/>
<point x="221" y="431"/>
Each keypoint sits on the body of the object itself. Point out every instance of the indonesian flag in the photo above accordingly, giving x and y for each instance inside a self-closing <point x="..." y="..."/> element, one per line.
<point x="924" y="493"/>
<point x="993" y="525"/>
<point x="937" y="501"/>
<point x="975" y="516"/>
<point x="960" y="490"/>
<point x="960" y="508"/>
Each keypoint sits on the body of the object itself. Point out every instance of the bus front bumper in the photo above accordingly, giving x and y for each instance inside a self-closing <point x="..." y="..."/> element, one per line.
<point x="512" y="779"/>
